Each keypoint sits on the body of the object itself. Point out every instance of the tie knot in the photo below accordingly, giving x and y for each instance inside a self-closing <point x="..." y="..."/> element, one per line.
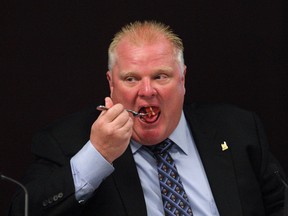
<point x="164" y="146"/>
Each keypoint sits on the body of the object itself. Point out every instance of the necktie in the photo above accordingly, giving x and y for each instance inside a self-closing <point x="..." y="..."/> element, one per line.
<point x="174" y="197"/>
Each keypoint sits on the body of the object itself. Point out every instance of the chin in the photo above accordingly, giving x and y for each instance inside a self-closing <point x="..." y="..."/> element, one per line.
<point x="149" y="137"/>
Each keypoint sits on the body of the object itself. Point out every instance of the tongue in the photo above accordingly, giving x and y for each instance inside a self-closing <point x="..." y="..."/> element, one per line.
<point x="150" y="119"/>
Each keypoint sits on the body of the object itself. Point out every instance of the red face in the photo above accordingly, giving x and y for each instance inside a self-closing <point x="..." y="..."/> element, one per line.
<point x="149" y="77"/>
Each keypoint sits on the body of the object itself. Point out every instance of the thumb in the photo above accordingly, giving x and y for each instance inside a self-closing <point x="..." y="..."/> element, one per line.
<point x="108" y="102"/>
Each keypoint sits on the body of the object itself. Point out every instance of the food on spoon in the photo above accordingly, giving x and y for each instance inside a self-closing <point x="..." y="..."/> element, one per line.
<point x="150" y="111"/>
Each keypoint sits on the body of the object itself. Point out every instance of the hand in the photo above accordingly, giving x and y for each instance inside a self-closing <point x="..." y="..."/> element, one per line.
<point x="111" y="132"/>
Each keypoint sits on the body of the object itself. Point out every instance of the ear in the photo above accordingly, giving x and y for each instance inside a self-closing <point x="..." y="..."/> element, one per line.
<point x="109" y="78"/>
<point x="183" y="77"/>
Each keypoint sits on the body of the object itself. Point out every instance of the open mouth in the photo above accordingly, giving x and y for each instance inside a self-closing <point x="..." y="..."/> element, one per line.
<point x="152" y="114"/>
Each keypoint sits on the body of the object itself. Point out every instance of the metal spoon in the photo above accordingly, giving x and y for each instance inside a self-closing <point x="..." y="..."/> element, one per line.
<point x="134" y="113"/>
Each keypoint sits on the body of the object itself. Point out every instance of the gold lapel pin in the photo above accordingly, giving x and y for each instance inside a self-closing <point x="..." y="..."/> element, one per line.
<point x="224" y="146"/>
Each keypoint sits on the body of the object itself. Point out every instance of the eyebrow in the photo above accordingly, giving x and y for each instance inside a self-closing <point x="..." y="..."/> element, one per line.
<point x="156" y="70"/>
<point x="127" y="73"/>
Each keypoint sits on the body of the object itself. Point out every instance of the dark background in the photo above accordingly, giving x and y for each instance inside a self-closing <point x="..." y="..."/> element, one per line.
<point x="53" y="61"/>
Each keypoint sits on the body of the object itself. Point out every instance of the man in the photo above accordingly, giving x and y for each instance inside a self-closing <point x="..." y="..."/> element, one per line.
<point x="107" y="166"/>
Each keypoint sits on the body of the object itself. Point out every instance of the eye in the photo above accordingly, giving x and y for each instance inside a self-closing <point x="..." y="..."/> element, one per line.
<point x="161" y="76"/>
<point x="130" y="79"/>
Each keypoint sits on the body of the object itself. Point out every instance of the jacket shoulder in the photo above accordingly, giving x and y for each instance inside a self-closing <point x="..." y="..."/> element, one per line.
<point x="216" y="109"/>
<point x="65" y="136"/>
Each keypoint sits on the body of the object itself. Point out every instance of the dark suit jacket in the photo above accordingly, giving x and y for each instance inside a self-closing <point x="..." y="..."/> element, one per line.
<point x="241" y="177"/>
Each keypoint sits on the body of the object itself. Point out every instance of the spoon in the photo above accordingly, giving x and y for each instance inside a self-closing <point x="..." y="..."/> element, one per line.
<point x="134" y="113"/>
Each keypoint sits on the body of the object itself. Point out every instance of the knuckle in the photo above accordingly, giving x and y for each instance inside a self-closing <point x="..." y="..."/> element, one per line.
<point x="119" y="107"/>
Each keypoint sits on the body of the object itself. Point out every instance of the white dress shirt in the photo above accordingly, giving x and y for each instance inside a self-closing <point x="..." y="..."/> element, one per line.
<point x="87" y="177"/>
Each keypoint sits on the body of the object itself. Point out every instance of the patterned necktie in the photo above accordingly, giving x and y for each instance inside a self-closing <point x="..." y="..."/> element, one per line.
<point x="175" y="200"/>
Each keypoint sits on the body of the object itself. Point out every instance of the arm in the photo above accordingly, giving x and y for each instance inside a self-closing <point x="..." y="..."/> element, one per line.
<point x="272" y="187"/>
<point x="50" y="180"/>
<point x="86" y="176"/>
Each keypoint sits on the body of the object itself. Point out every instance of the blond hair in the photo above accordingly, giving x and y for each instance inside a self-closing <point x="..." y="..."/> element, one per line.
<point x="145" y="32"/>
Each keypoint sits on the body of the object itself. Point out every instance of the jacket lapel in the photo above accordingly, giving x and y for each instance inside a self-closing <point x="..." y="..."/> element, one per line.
<point x="128" y="184"/>
<point x="217" y="162"/>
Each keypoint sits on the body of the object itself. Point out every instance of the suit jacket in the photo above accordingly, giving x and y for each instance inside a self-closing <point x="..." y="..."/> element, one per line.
<point x="241" y="177"/>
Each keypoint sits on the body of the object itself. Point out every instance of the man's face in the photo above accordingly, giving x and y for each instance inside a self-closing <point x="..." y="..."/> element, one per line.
<point x="148" y="78"/>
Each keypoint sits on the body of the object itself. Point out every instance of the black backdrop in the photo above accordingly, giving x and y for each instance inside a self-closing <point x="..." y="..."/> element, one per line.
<point x="54" y="59"/>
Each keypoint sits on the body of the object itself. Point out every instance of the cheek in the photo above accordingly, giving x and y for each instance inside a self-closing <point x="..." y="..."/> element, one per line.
<point x="173" y="98"/>
<point x="122" y="95"/>
<point x="175" y="92"/>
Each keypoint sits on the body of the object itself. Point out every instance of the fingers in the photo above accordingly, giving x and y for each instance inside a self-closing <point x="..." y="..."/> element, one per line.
<point x="127" y="128"/>
<point x="122" y="124"/>
<point x="115" y="113"/>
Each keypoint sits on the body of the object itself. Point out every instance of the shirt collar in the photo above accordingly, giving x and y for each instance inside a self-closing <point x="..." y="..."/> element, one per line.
<point x="178" y="136"/>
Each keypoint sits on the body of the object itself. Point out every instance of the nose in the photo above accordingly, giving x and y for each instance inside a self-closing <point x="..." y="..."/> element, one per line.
<point x="146" y="89"/>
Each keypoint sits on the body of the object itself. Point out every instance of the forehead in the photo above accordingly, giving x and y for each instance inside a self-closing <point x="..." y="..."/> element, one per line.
<point x="140" y="48"/>
<point x="146" y="61"/>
